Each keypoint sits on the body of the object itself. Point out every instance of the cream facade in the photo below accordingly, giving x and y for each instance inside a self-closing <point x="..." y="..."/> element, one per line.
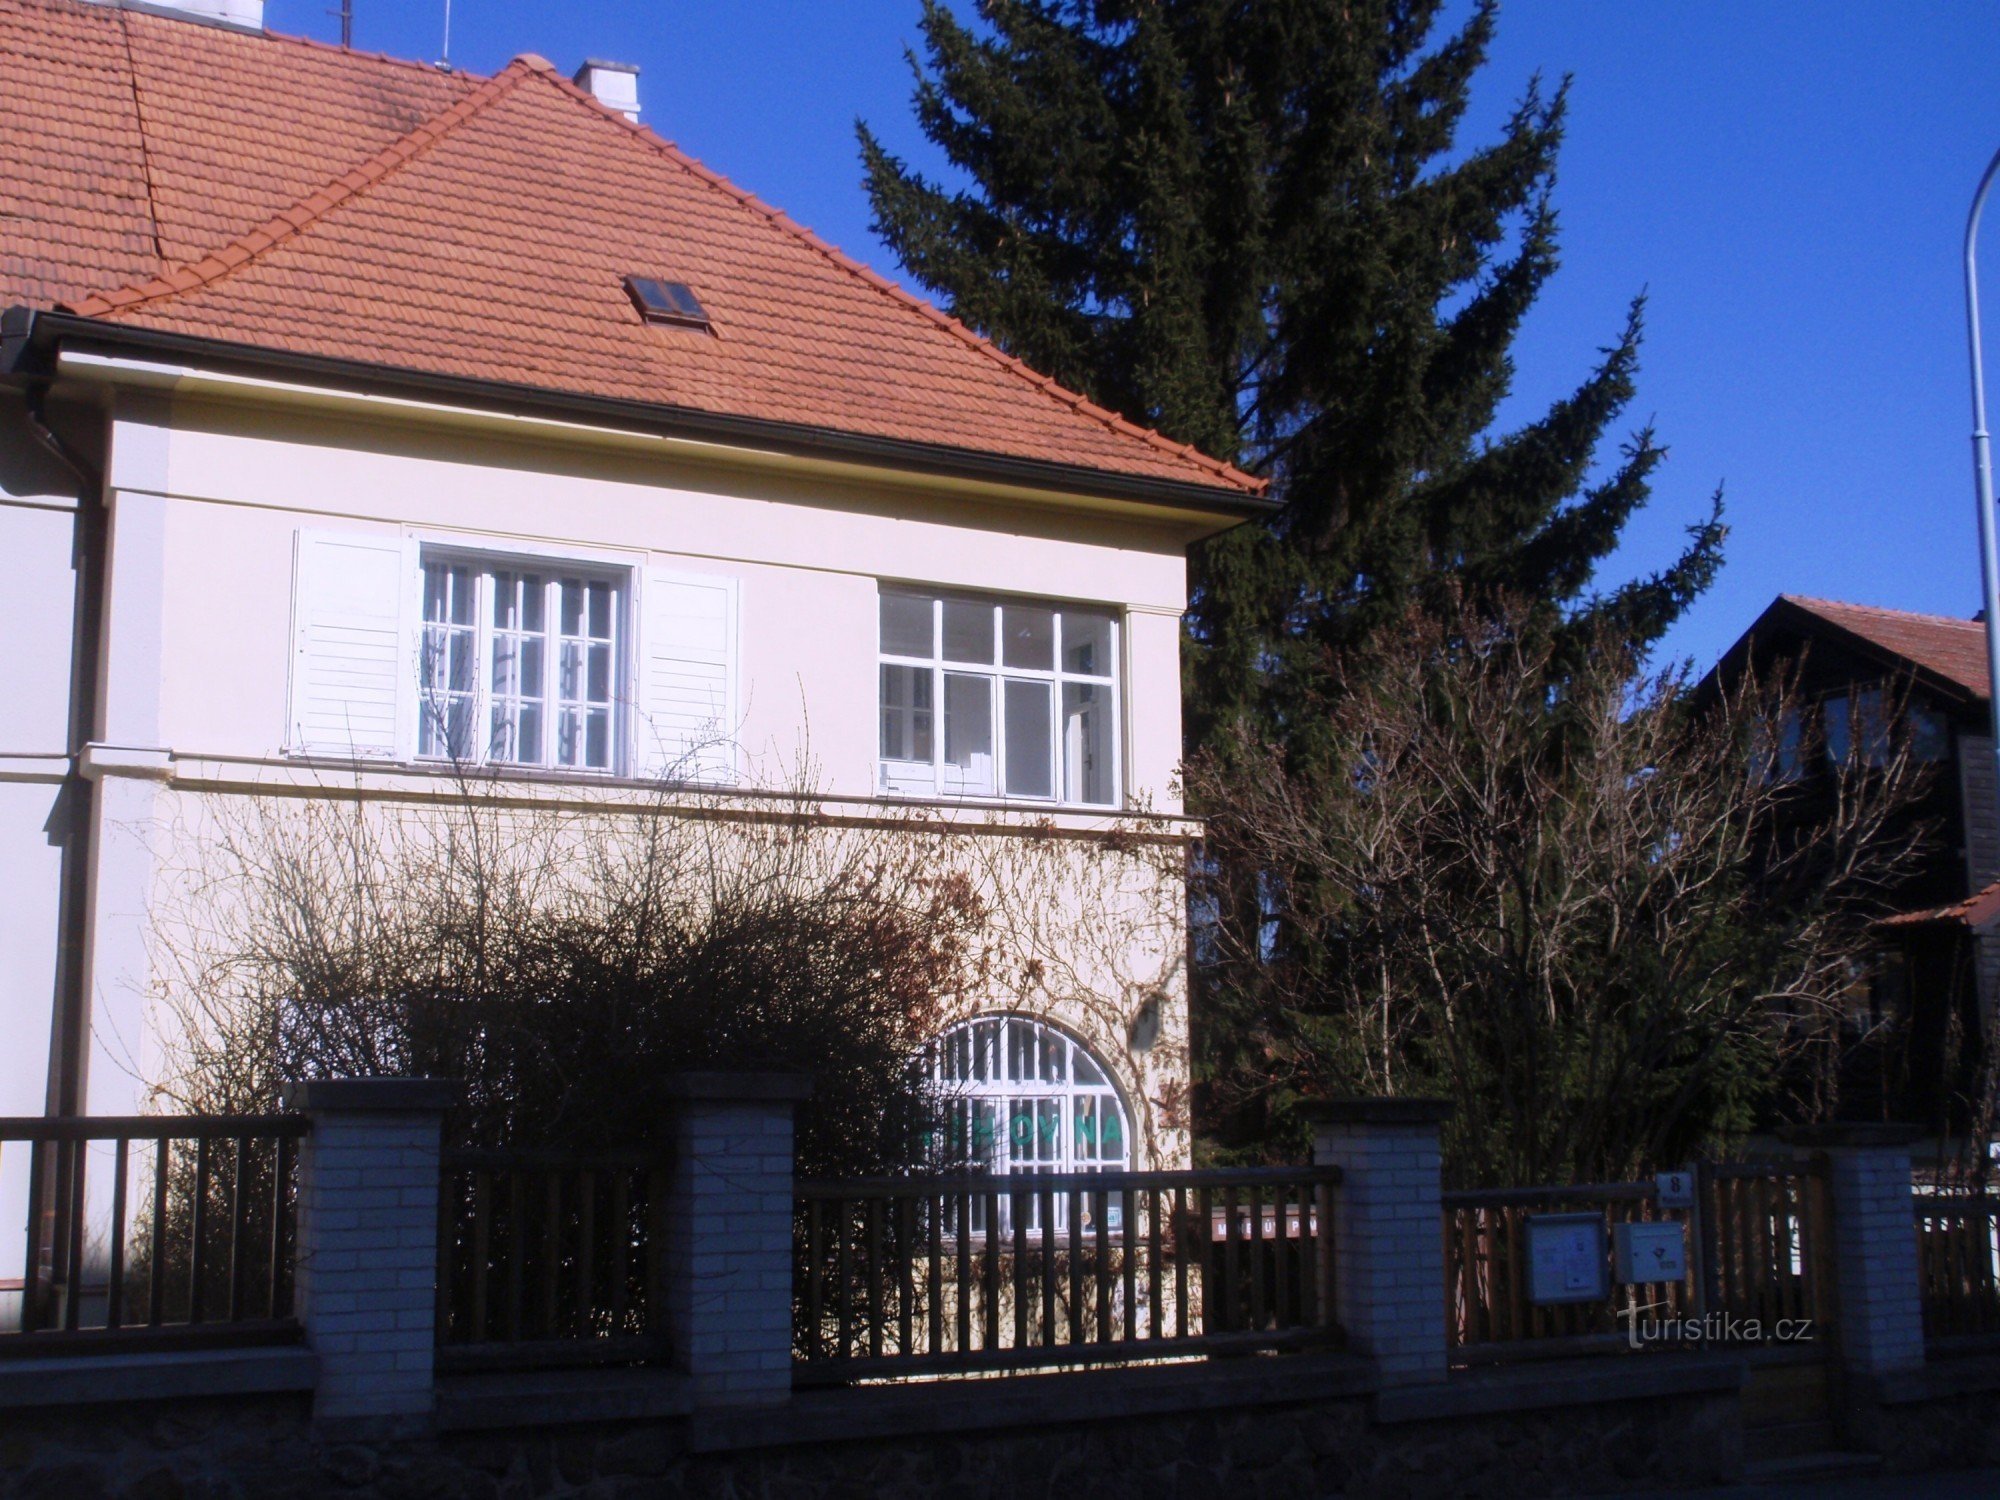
<point x="747" y="657"/>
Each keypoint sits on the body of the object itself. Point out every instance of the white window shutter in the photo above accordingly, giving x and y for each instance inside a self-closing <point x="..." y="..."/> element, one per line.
<point x="351" y="650"/>
<point x="688" y="672"/>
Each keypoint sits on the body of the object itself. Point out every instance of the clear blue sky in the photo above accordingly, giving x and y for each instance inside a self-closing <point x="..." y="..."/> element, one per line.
<point x="1789" y="183"/>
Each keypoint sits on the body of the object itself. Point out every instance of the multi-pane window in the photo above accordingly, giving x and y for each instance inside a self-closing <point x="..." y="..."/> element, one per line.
<point x="1019" y="1096"/>
<point x="984" y="698"/>
<point x="519" y="665"/>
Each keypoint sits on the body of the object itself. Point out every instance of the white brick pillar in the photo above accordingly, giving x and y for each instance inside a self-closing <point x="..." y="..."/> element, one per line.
<point x="1878" y="1300"/>
<point x="1388" y="1230"/>
<point x="728" y="1262"/>
<point x="367" y="1259"/>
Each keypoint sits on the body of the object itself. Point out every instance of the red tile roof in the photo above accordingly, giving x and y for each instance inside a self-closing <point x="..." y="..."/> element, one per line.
<point x="282" y="194"/>
<point x="1977" y="911"/>
<point x="1953" y="649"/>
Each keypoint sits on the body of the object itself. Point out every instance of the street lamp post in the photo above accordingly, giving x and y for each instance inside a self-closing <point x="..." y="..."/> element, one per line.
<point x="1982" y="464"/>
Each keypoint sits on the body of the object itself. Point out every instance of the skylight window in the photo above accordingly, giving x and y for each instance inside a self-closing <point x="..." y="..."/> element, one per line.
<point x="671" y="302"/>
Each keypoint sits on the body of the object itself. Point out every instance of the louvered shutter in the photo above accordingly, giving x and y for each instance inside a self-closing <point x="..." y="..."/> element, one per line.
<point x="351" y="654"/>
<point x="688" y="678"/>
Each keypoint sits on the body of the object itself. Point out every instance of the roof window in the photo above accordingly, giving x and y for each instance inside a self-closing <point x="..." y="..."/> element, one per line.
<point x="667" y="302"/>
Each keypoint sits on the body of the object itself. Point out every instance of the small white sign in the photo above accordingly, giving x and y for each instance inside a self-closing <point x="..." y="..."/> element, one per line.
<point x="1674" y="1189"/>
<point x="1650" y="1252"/>
<point x="1566" y="1259"/>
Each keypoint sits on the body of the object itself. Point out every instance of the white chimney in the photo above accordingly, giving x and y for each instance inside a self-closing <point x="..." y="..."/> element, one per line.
<point x="613" y="84"/>
<point x="246" y="13"/>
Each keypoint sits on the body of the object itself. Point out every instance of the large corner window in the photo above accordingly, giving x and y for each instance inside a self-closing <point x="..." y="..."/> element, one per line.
<point x="519" y="664"/>
<point x="1011" y="699"/>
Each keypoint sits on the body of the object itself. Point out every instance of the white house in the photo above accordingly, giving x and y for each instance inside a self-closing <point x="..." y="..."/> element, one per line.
<point x="356" y="416"/>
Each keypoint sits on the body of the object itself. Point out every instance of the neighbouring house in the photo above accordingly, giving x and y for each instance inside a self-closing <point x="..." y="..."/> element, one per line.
<point x="344" y="396"/>
<point x="1918" y="1017"/>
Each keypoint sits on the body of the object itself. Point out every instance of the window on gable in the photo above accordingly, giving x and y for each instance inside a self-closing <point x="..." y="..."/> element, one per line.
<point x="985" y="698"/>
<point x="518" y="664"/>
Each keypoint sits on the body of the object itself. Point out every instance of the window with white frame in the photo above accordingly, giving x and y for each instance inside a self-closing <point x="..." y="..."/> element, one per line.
<point x="519" y="664"/>
<point x="1017" y="1095"/>
<point x="999" y="698"/>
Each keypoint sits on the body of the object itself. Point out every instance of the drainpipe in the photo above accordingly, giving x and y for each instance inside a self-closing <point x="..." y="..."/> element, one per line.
<point x="1982" y="466"/>
<point x="72" y="1017"/>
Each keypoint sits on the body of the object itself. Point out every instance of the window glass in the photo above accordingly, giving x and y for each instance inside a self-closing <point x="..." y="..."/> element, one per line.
<point x="906" y="713"/>
<point x="906" y="626"/>
<point x="1028" y="694"/>
<point x="968" y="632"/>
<point x="1087" y="764"/>
<point x="1930" y="738"/>
<point x="1872" y="722"/>
<point x="1044" y="1105"/>
<point x="1791" y="745"/>
<point x="1087" y="642"/>
<point x="533" y="658"/>
<point x="1838" y="716"/>
<point x="968" y="731"/>
<point x="1030" y="743"/>
<point x="1028" y="634"/>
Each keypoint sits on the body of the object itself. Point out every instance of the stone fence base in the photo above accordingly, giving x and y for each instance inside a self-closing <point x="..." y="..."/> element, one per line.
<point x="1302" y="1425"/>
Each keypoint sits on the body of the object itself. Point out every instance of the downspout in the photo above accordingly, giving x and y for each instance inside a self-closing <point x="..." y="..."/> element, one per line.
<point x="72" y="1014"/>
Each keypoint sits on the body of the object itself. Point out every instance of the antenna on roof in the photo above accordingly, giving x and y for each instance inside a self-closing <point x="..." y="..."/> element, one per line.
<point x="445" y="61"/>
<point x="346" y="14"/>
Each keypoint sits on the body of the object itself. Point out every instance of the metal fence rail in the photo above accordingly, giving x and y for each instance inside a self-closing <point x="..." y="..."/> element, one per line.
<point x="148" y="1230"/>
<point x="1958" y="1264"/>
<point x="550" y="1257"/>
<point x="961" y="1272"/>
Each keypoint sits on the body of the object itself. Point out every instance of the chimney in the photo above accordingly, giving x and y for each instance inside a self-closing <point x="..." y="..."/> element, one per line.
<point x="248" y="14"/>
<point x="613" y="84"/>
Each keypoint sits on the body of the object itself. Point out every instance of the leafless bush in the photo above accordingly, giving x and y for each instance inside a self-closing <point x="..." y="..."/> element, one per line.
<point x="1608" y="926"/>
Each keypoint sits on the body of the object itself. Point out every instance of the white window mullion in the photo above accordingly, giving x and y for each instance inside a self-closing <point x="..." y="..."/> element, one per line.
<point x="551" y="601"/>
<point x="483" y="600"/>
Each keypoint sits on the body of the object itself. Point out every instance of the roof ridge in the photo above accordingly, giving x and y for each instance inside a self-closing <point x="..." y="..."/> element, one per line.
<point x="290" y="222"/>
<point x="1811" y="600"/>
<point x="1077" y="402"/>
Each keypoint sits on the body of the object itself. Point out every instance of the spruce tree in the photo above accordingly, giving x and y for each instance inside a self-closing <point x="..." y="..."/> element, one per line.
<point x="1252" y="225"/>
<point x="1249" y="224"/>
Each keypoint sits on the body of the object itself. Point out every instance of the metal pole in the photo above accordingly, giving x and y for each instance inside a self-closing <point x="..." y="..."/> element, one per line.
<point x="1982" y="464"/>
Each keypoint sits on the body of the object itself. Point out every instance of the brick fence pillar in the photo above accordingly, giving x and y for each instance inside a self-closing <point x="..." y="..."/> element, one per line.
<point x="366" y="1287"/>
<point x="1878" y="1301"/>
<point x="728" y="1267"/>
<point x="1388" y="1234"/>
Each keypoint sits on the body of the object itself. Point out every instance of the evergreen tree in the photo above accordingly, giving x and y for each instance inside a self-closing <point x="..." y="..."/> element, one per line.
<point x="1247" y="223"/>
<point x="1251" y="225"/>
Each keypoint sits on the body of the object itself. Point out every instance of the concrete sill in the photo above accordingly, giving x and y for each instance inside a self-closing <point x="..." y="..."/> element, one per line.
<point x="75" y="1379"/>
<point x="1561" y="1383"/>
<point x="1024" y="1400"/>
<point x="530" y="1398"/>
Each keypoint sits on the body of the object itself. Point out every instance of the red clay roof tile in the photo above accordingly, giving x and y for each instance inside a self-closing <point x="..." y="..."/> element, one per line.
<point x="283" y="194"/>
<point x="1954" y="649"/>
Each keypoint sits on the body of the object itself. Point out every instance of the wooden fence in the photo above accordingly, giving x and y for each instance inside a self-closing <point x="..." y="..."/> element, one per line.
<point x="1756" y="1246"/>
<point x="550" y="1258"/>
<point x="958" y="1273"/>
<point x="1958" y="1255"/>
<point x="151" y="1231"/>
<point x="1767" y="1242"/>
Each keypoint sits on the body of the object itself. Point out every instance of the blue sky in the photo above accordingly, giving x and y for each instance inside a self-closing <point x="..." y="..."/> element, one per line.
<point x="1789" y="183"/>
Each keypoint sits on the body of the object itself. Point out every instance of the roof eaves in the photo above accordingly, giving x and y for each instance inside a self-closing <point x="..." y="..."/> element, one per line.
<point x="1187" y="453"/>
<point x="35" y="337"/>
<point x="289" y="222"/>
